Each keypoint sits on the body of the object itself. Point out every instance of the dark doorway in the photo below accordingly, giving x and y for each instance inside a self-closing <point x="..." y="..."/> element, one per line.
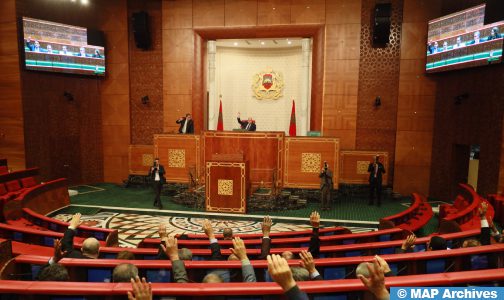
<point x="459" y="166"/>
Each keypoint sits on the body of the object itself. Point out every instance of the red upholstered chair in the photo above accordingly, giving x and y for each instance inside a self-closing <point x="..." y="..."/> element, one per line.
<point x="4" y="170"/>
<point x="28" y="182"/>
<point x="13" y="185"/>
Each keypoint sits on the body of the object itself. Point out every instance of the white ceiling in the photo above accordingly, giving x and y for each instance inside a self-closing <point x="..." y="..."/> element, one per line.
<point x="260" y="43"/>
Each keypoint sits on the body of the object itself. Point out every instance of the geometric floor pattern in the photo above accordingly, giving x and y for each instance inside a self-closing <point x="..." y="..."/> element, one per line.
<point x="133" y="228"/>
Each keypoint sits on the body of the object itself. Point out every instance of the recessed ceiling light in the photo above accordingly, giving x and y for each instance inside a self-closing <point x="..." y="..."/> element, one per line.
<point x="274" y="8"/>
<point x="262" y="43"/>
<point x="289" y="42"/>
<point x="235" y="43"/>
<point x="84" y="2"/>
<point x="307" y="7"/>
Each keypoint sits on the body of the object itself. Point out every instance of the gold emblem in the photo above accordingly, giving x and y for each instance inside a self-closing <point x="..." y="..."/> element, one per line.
<point x="176" y="158"/>
<point x="362" y="166"/>
<point x="147" y="160"/>
<point x="268" y="85"/>
<point x="225" y="187"/>
<point x="310" y="162"/>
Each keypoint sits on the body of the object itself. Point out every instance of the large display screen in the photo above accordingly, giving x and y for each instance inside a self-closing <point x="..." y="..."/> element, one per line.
<point x="461" y="40"/>
<point x="55" y="47"/>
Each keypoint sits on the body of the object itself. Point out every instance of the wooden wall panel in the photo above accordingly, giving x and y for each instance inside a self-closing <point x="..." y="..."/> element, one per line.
<point x="308" y="11"/>
<point x="354" y="164"/>
<point x="241" y="12"/>
<point x="12" y="143"/>
<point x="273" y="12"/>
<point x="115" y="88"/>
<point x="416" y="101"/>
<point x="304" y="159"/>
<point x="343" y="41"/>
<point x="178" y="45"/>
<point x="208" y="13"/>
<point x="343" y="12"/>
<point x="263" y="151"/>
<point x="146" y="77"/>
<point x="177" y="14"/>
<point x="379" y="76"/>
<point x="141" y="158"/>
<point x="179" y="154"/>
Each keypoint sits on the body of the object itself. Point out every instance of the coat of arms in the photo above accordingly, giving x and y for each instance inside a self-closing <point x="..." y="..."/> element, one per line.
<point x="267" y="85"/>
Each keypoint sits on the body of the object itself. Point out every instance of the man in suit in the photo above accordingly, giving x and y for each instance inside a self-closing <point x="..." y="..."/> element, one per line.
<point x="186" y="124"/>
<point x="248" y="125"/>
<point x="90" y="247"/>
<point x="494" y="34"/>
<point x="375" y="170"/>
<point x="157" y="172"/>
<point x="326" y="186"/>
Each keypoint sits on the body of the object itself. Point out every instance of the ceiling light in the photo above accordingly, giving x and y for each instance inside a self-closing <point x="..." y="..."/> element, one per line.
<point x="262" y="43"/>
<point x="307" y="7"/>
<point x="84" y="2"/>
<point x="235" y="43"/>
<point x="274" y="8"/>
<point x="289" y="42"/>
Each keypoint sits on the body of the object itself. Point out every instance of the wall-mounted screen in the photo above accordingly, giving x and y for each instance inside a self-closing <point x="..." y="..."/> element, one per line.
<point x="55" y="47"/>
<point x="461" y="40"/>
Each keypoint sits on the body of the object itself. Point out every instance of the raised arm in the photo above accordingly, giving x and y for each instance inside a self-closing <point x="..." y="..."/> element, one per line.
<point x="266" y="240"/>
<point x="240" y="251"/>
<point x="314" y="247"/>
<point x="178" y="267"/>
<point x="67" y="240"/>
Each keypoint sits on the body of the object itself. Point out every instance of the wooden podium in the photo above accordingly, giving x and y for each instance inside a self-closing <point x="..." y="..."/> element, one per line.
<point x="227" y="184"/>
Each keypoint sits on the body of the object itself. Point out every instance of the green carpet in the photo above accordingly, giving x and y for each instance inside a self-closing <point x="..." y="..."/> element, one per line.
<point x="353" y="208"/>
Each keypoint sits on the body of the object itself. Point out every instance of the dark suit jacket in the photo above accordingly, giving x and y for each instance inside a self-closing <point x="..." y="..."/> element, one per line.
<point x="67" y="245"/>
<point x="326" y="179"/>
<point x="381" y="170"/>
<point x="189" y="128"/>
<point x="244" y="124"/>
<point x="161" y="174"/>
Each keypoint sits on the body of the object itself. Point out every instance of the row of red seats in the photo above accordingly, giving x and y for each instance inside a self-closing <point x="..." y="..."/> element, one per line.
<point x="413" y="218"/>
<point x="327" y="289"/>
<point x="13" y="184"/>
<point x="4" y="167"/>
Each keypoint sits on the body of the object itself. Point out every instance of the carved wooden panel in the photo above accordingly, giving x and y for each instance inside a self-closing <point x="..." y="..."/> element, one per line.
<point x="179" y="154"/>
<point x="304" y="159"/>
<point x="354" y="165"/>
<point x="141" y="158"/>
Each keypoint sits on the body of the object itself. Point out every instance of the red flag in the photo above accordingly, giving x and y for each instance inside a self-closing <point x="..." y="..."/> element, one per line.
<point x="220" y="123"/>
<point x="292" y="127"/>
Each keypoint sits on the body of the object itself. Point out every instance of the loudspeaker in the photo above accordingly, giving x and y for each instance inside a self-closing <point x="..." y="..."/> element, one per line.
<point x="141" y="32"/>
<point x="381" y="24"/>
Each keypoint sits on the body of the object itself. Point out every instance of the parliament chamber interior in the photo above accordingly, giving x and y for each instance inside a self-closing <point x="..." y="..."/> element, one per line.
<point x="251" y="149"/>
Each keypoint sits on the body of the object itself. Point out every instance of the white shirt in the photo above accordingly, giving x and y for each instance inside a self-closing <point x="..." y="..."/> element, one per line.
<point x="184" y="128"/>
<point x="248" y="126"/>
<point x="156" y="175"/>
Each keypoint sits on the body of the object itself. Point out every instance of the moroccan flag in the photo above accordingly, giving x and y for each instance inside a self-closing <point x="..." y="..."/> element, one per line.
<point x="220" y="123"/>
<point x="292" y="127"/>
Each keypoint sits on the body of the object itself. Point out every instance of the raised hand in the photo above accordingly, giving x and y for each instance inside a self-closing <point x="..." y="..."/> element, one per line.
<point x="75" y="222"/>
<point x="239" y="249"/>
<point x="280" y="272"/>
<point x="171" y="248"/>
<point x="409" y="242"/>
<point x="376" y="281"/>
<point x="482" y="210"/>
<point x="208" y="229"/>
<point x="383" y="264"/>
<point x="266" y="226"/>
<point x="141" y="290"/>
<point x="162" y="231"/>
<point x="58" y="253"/>
<point x="315" y="219"/>
<point x="307" y="261"/>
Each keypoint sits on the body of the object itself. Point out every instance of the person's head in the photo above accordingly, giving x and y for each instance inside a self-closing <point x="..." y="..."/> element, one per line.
<point x="82" y="51"/>
<point x="185" y="254"/>
<point x="471" y="243"/>
<point x="287" y="255"/>
<point x="37" y="44"/>
<point x="227" y="233"/>
<point x="64" y="48"/>
<point x="188" y="116"/>
<point x="362" y="269"/>
<point x="156" y="161"/>
<point x="377" y="158"/>
<point x="124" y="273"/>
<point x="495" y="31"/>
<point x="459" y="40"/>
<point x="212" y="278"/>
<point x="436" y="45"/>
<point x="300" y="274"/>
<point x="54" y="272"/>
<point x="49" y="48"/>
<point x="126" y="255"/>
<point x="445" y="45"/>
<point x="249" y="119"/>
<point x="91" y="247"/>
<point x="436" y="243"/>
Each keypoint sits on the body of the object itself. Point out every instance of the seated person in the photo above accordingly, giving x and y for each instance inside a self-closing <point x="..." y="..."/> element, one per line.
<point x="124" y="273"/>
<point x="82" y="52"/>
<point x="127" y="255"/>
<point x="248" y="125"/>
<point x="476" y="39"/>
<point x="97" y="54"/>
<point x="459" y="43"/>
<point x="53" y="272"/>
<point x="64" y="51"/>
<point x="435" y="243"/>
<point x="494" y="34"/>
<point x="184" y="253"/>
<point x="90" y="247"/>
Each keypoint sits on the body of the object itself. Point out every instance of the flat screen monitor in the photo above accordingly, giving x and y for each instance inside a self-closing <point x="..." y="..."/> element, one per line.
<point x="462" y="40"/>
<point x="56" y="47"/>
